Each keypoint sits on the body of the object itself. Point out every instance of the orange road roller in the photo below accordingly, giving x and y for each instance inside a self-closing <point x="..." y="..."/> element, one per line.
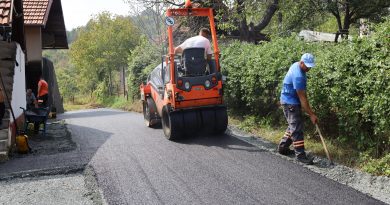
<point x="185" y="93"/>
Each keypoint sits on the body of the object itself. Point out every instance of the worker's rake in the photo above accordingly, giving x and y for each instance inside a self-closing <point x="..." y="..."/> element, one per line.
<point x="323" y="143"/>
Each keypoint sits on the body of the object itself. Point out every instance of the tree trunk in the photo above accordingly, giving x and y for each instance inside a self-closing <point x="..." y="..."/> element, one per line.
<point x="268" y="16"/>
<point x="272" y="8"/>
<point x="340" y="27"/>
<point x="109" y="83"/>
<point x="243" y="27"/>
<point x="124" y="81"/>
<point x="280" y="21"/>
<point x="251" y="32"/>
<point x="347" y="22"/>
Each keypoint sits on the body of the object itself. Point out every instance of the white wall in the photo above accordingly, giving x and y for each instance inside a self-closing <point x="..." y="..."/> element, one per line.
<point x="19" y="87"/>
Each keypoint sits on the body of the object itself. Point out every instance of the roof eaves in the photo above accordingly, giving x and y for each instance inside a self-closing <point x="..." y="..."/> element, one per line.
<point x="6" y="15"/>
<point x="47" y="13"/>
<point x="11" y="12"/>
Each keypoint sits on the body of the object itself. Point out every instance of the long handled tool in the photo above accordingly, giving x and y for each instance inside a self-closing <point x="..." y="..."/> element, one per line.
<point x="323" y="143"/>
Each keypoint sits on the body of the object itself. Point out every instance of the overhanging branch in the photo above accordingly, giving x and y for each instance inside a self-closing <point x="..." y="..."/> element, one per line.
<point x="268" y="16"/>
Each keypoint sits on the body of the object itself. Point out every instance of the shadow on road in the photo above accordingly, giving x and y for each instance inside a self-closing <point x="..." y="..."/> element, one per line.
<point x="224" y="141"/>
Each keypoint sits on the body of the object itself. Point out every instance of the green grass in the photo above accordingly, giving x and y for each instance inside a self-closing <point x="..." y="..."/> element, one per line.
<point x="122" y="103"/>
<point x="340" y="153"/>
<point x="111" y="102"/>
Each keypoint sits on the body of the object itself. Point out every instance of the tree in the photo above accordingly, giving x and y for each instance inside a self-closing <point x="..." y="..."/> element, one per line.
<point x="232" y="15"/>
<point x="295" y="15"/>
<point x="101" y="49"/>
<point x="67" y="83"/>
<point x="348" y="12"/>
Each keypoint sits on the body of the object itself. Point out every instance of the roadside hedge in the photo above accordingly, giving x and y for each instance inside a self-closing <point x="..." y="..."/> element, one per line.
<point x="348" y="89"/>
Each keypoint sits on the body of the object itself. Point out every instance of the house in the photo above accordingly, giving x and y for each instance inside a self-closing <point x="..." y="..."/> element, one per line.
<point x="27" y="27"/>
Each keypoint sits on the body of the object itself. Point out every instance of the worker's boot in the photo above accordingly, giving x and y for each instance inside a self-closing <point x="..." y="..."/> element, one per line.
<point x="305" y="159"/>
<point x="283" y="147"/>
<point x="285" y="151"/>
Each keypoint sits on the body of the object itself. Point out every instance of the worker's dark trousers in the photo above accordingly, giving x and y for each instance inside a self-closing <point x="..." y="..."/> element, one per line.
<point x="294" y="132"/>
<point x="44" y="99"/>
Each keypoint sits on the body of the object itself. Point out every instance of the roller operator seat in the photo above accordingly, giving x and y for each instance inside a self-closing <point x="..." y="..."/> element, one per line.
<point x="194" y="60"/>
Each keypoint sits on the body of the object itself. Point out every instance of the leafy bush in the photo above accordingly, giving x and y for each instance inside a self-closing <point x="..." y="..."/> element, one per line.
<point x="255" y="74"/>
<point x="350" y="90"/>
<point x="101" y="90"/>
<point x="377" y="166"/>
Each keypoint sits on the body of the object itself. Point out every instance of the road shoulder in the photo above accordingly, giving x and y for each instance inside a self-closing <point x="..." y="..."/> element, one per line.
<point x="374" y="186"/>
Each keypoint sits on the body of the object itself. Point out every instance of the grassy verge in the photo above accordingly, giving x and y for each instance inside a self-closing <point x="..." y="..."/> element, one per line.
<point x="111" y="102"/>
<point x="123" y="104"/>
<point x="340" y="153"/>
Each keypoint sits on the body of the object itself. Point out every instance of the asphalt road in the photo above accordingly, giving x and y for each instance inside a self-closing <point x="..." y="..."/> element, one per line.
<point x="137" y="165"/>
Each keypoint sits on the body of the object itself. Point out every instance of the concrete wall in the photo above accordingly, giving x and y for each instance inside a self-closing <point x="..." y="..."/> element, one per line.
<point x="33" y="43"/>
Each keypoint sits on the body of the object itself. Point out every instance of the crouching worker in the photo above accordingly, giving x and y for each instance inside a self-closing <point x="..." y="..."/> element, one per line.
<point x="293" y="98"/>
<point x="31" y="101"/>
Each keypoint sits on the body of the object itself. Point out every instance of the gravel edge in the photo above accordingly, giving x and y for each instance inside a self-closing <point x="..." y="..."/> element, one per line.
<point x="91" y="183"/>
<point x="374" y="186"/>
<point x="42" y="172"/>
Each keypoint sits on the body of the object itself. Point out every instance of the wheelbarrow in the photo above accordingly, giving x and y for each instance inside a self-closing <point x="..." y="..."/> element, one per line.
<point x="37" y="116"/>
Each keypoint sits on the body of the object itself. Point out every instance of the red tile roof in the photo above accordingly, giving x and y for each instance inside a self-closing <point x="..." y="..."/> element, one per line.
<point x="5" y="12"/>
<point x="36" y="12"/>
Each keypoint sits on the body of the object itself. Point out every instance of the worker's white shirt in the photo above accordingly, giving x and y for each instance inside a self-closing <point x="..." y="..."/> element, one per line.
<point x="197" y="42"/>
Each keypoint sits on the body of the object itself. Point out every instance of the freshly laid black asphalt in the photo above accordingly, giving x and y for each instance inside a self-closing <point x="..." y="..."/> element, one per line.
<point x="137" y="165"/>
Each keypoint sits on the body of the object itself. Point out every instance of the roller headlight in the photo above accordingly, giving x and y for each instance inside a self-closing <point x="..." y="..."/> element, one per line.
<point x="187" y="85"/>
<point x="207" y="83"/>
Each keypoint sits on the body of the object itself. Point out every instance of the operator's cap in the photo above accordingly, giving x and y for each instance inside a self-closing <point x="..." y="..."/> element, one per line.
<point x="308" y="60"/>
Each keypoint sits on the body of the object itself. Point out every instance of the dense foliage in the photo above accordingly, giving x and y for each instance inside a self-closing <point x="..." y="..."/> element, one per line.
<point x="348" y="88"/>
<point x="101" y="51"/>
<point x="141" y="61"/>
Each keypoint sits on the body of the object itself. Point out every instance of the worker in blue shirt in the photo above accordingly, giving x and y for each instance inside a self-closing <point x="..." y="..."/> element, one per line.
<point x="293" y="98"/>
